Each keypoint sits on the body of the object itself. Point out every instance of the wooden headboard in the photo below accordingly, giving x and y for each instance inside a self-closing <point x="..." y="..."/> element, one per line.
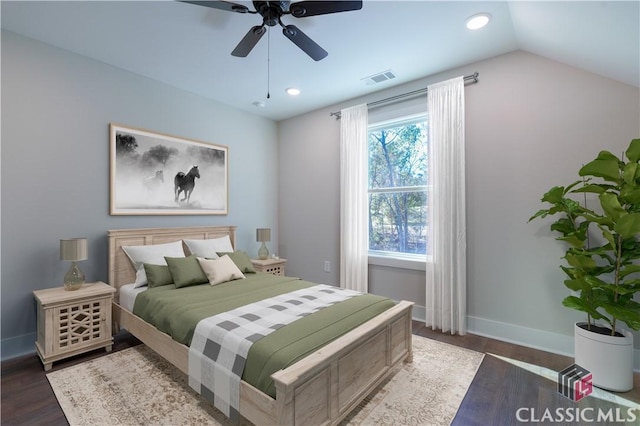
<point x="122" y="272"/>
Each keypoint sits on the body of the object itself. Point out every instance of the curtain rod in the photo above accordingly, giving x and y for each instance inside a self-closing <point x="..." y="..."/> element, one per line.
<point x="468" y="79"/>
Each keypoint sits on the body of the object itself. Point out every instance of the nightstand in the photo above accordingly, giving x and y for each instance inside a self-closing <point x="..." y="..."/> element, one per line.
<point x="73" y="322"/>
<point x="272" y="266"/>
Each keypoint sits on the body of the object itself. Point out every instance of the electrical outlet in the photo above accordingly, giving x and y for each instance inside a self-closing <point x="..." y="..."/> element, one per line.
<point x="327" y="266"/>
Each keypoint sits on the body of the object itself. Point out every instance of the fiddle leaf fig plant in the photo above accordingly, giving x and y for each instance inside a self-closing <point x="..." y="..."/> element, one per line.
<point x="603" y="244"/>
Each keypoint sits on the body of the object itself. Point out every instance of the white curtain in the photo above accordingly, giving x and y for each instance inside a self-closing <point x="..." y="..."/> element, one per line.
<point x="446" y="293"/>
<point x="354" y="202"/>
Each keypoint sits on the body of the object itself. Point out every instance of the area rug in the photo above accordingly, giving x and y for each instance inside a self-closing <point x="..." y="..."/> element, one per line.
<point x="137" y="387"/>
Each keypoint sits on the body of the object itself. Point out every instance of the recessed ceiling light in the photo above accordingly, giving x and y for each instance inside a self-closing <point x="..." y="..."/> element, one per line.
<point x="293" y="91"/>
<point x="478" y="21"/>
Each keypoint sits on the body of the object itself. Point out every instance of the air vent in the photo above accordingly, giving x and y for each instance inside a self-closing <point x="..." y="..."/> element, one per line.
<point x="379" y="77"/>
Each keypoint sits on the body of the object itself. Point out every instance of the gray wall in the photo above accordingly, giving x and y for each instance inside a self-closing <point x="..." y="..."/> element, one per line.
<point x="56" y="110"/>
<point x="530" y="124"/>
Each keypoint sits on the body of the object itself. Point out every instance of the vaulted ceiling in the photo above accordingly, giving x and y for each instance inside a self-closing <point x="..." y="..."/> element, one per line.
<point x="188" y="46"/>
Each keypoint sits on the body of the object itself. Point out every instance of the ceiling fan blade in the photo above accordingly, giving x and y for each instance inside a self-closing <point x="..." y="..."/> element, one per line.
<point x="249" y="41"/>
<point x="301" y="40"/>
<point x="222" y="5"/>
<point x="312" y="8"/>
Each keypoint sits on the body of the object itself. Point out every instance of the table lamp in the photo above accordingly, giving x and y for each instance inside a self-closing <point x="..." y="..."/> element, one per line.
<point x="263" y="235"/>
<point x="74" y="250"/>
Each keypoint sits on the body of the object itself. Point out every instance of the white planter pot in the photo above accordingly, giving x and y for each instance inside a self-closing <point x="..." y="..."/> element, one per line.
<point x="608" y="358"/>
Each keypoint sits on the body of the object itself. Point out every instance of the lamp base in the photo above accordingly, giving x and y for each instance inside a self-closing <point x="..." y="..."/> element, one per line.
<point x="74" y="278"/>
<point x="263" y="252"/>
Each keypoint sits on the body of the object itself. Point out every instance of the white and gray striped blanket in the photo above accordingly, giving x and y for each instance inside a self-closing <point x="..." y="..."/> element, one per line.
<point x="220" y="343"/>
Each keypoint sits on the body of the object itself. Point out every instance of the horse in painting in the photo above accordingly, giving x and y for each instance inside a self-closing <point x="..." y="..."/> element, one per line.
<point x="185" y="183"/>
<point x="154" y="181"/>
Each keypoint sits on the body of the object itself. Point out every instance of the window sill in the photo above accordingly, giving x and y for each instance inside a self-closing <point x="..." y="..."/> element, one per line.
<point x="416" y="263"/>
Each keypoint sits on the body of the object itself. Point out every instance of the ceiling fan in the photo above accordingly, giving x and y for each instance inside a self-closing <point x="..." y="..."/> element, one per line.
<point x="272" y="11"/>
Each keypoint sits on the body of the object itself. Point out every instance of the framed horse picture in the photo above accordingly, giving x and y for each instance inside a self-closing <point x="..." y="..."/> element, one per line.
<point x="158" y="174"/>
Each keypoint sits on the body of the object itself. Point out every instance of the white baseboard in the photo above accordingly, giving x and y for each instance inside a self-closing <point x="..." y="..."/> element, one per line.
<point x="547" y="341"/>
<point x="14" y="347"/>
<point x="419" y="313"/>
<point x="543" y="340"/>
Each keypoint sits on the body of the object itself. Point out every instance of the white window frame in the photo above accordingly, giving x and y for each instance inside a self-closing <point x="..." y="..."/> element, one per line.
<point x="394" y="259"/>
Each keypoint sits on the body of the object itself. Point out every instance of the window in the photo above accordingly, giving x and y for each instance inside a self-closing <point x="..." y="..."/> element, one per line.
<point x="398" y="184"/>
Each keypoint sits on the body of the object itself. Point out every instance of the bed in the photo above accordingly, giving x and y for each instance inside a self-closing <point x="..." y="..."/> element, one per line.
<point x="320" y="389"/>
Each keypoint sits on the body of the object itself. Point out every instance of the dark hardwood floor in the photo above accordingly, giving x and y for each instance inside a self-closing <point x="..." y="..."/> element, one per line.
<point x="27" y="397"/>
<point x="498" y="391"/>
<point x="501" y="389"/>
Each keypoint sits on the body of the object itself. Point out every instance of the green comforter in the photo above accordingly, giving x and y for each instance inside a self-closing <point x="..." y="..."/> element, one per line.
<point x="178" y="311"/>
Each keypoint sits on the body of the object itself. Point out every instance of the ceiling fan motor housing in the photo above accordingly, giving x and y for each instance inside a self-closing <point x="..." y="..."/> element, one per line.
<point x="271" y="11"/>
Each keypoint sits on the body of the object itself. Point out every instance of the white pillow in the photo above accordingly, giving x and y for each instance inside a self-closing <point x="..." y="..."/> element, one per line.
<point x="209" y="248"/>
<point x="153" y="254"/>
<point x="220" y="270"/>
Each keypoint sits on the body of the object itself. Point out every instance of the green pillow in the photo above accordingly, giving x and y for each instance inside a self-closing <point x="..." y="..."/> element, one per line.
<point x="157" y="275"/>
<point x="242" y="261"/>
<point x="186" y="271"/>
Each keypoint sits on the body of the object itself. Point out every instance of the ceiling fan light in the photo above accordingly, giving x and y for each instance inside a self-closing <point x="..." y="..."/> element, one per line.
<point x="292" y="91"/>
<point x="478" y="21"/>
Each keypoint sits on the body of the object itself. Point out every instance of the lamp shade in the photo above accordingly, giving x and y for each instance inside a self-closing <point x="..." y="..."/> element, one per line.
<point x="263" y="234"/>
<point x="73" y="249"/>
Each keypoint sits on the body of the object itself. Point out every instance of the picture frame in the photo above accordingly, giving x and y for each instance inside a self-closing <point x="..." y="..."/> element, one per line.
<point x="159" y="174"/>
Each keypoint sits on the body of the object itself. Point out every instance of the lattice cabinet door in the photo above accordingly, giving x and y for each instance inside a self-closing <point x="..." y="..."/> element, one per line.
<point x="73" y="322"/>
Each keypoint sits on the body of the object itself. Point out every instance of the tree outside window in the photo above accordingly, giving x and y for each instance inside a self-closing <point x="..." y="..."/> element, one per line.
<point x="398" y="184"/>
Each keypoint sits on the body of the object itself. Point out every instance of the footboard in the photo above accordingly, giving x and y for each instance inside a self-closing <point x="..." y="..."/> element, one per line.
<point x="324" y="387"/>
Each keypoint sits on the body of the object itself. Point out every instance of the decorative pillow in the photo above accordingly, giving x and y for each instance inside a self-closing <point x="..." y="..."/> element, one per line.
<point x="157" y="275"/>
<point x="186" y="271"/>
<point x="153" y="254"/>
<point x="220" y="270"/>
<point x="242" y="261"/>
<point x="209" y="248"/>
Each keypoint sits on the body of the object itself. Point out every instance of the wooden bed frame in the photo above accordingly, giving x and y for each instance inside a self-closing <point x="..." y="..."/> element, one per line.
<point x="322" y="388"/>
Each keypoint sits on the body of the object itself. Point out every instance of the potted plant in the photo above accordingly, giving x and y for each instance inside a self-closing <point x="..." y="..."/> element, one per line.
<point x="603" y="250"/>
